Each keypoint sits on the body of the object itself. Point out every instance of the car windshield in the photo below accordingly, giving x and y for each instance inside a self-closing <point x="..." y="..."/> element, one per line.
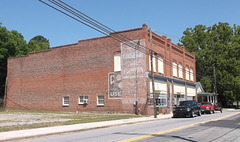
<point x="203" y="104"/>
<point x="185" y="103"/>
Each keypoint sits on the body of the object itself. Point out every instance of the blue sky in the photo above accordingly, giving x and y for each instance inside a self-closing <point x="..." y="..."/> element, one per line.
<point x="172" y="17"/>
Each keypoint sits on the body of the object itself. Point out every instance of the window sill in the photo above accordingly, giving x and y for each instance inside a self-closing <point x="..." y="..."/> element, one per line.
<point x="65" y="105"/>
<point x="100" y="105"/>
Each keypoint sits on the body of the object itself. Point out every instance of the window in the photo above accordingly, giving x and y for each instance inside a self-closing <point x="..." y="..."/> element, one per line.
<point x="100" y="100"/>
<point x="83" y="99"/>
<point x="187" y="73"/>
<point x="174" y="66"/>
<point x="180" y="71"/>
<point x="161" y="99"/>
<point x="66" y="101"/>
<point x="117" y="62"/>
<point x="160" y="65"/>
<point x="154" y="63"/>
<point x="191" y="74"/>
<point x="178" y="97"/>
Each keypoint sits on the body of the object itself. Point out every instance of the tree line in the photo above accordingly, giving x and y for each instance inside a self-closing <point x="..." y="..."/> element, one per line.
<point x="12" y="44"/>
<point x="218" y="47"/>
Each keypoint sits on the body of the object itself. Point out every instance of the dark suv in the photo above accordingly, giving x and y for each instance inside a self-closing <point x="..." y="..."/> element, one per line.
<point x="187" y="108"/>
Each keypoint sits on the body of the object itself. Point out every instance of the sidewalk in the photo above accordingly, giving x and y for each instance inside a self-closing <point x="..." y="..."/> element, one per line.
<point x="13" y="135"/>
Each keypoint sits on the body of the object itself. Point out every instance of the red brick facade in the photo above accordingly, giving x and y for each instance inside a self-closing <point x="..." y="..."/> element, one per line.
<point x="40" y="80"/>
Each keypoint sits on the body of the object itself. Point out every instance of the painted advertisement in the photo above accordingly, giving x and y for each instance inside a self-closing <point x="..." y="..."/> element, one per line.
<point x="115" y="85"/>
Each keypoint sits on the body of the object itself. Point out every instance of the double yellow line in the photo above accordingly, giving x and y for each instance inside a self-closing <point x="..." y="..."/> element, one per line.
<point x="174" y="129"/>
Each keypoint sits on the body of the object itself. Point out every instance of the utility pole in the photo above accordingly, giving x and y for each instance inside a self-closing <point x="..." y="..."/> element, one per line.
<point x="215" y="83"/>
<point x="136" y="105"/>
<point x="153" y="88"/>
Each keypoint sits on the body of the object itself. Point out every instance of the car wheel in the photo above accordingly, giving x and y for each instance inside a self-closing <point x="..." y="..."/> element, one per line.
<point x="210" y="112"/>
<point x="192" y="114"/>
<point x="199" y="113"/>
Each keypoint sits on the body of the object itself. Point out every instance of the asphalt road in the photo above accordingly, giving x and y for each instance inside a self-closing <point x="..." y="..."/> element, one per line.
<point x="208" y="127"/>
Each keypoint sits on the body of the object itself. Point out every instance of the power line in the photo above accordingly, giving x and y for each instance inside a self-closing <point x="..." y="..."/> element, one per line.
<point x="166" y="34"/>
<point x="102" y="28"/>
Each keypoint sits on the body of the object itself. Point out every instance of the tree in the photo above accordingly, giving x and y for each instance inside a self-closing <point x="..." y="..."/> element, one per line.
<point x="12" y="44"/>
<point x="215" y="46"/>
<point x="38" y="43"/>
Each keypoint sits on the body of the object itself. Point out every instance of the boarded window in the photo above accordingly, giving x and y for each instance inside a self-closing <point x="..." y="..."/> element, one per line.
<point x="117" y="62"/>
<point x="187" y="73"/>
<point x="160" y="65"/>
<point x="174" y="68"/>
<point x="191" y="74"/>
<point x="154" y="63"/>
<point x="180" y="73"/>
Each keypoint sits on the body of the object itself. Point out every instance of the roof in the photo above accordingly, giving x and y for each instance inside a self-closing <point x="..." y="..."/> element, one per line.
<point x="200" y="90"/>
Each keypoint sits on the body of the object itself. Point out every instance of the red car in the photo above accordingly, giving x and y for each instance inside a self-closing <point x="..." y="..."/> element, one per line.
<point x="207" y="107"/>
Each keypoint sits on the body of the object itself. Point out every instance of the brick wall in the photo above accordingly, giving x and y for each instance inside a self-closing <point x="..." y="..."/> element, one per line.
<point x="39" y="80"/>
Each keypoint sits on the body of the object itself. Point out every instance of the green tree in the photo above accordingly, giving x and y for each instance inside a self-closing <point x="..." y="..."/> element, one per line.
<point x="217" y="46"/>
<point x="12" y="44"/>
<point x="38" y="43"/>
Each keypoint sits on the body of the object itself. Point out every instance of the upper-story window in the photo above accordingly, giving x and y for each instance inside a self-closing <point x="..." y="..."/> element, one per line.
<point x="191" y="74"/>
<point x="154" y="63"/>
<point x="160" y="65"/>
<point x="117" y="62"/>
<point x="174" y="68"/>
<point x="180" y="72"/>
<point x="187" y="73"/>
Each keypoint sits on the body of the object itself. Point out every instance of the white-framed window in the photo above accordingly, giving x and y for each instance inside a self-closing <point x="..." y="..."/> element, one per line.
<point x="187" y="73"/>
<point x="154" y="63"/>
<point x="191" y="74"/>
<point x="65" y="100"/>
<point x="100" y="100"/>
<point x="161" y="99"/>
<point x="160" y="65"/>
<point x="178" y="98"/>
<point x="117" y="62"/>
<point x="180" y="72"/>
<point x="174" y="68"/>
<point x="83" y="100"/>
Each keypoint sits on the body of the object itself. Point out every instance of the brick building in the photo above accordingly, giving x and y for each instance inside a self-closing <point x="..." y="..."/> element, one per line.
<point x="103" y="75"/>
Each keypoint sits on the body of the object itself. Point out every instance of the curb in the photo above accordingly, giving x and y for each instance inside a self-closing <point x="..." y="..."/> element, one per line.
<point x="21" y="134"/>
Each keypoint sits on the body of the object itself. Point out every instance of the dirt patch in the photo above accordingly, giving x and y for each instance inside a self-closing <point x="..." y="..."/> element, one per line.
<point x="28" y="118"/>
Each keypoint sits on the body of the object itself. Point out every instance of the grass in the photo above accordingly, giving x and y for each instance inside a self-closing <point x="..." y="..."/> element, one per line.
<point x="74" y="118"/>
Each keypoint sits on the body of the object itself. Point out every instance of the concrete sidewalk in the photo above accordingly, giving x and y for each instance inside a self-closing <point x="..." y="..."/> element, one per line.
<point x="13" y="135"/>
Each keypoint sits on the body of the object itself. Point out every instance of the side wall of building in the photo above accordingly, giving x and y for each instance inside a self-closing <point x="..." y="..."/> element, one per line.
<point x="40" y="80"/>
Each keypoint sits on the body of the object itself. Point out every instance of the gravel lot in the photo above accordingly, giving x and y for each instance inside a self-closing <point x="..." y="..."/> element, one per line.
<point x="29" y="118"/>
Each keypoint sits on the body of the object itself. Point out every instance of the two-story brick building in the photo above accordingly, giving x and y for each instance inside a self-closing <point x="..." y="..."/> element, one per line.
<point x="103" y="75"/>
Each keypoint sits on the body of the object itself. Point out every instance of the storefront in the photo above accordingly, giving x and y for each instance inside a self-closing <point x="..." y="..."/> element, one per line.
<point x="179" y="93"/>
<point x="191" y="92"/>
<point x="160" y="92"/>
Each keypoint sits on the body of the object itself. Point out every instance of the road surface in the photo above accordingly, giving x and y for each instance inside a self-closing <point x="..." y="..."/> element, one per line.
<point x="218" y="127"/>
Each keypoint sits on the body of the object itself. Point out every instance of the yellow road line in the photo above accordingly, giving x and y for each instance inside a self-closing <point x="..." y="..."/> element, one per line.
<point x="174" y="129"/>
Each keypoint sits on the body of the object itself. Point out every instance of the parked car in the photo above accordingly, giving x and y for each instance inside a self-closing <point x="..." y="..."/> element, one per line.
<point x="207" y="107"/>
<point x="187" y="108"/>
